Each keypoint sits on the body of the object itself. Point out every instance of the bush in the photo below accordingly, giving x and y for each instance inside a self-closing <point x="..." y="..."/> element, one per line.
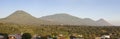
<point x="26" y="36"/>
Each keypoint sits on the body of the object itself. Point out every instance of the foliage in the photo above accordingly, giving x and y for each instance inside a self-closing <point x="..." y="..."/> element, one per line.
<point x="88" y="32"/>
<point x="26" y="36"/>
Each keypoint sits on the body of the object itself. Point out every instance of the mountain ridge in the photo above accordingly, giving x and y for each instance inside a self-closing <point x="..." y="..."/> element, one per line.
<point x="103" y="22"/>
<point x="72" y="20"/>
<point x="22" y="17"/>
<point x="61" y="18"/>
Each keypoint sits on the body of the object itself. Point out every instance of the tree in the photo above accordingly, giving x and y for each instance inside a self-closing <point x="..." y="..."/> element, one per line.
<point x="26" y="36"/>
<point x="5" y="36"/>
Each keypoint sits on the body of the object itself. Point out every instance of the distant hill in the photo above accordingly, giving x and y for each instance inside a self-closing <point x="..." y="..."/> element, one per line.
<point x="64" y="19"/>
<point x="90" y="22"/>
<point x="22" y="17"/>
<point x="103" y="22"/>
<point x="72" y="20"/>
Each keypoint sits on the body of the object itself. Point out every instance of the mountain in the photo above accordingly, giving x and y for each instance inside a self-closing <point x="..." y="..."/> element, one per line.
<point x="103" y="22"/>
<point x="22" y="17"/>
<point x="72" y="20"/>
<point x="90" y="22"/>
<point x="64" y="19"/>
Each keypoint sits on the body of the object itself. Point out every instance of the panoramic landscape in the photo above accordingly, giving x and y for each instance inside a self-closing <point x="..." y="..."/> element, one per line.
<point x="59" y="19"/>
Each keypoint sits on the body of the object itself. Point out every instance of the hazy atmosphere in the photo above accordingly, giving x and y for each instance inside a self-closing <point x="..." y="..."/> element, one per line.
<point x="94" y="9"/>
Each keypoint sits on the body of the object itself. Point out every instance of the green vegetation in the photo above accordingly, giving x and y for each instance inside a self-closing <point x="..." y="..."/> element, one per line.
<point x="26" y="36"/>
<point x="88" y="32"/>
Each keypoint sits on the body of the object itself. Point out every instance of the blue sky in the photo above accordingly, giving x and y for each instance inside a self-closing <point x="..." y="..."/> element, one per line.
<point x="94" y="9"/>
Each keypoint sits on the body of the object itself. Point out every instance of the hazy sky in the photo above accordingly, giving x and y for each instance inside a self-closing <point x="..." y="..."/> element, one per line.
<point x="94" y="9"/>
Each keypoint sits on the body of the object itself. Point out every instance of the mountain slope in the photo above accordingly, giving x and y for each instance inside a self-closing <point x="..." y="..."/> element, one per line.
<point x="64" y="19"/>
<point x="22" y="17"/>
<point x="72" y="20"/>
<point x="103" y="22"/>
<point x="90" y="22"/>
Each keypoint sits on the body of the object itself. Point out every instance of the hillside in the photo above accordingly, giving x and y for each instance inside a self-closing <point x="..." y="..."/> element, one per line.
<point x="64" y="19"/>
<point x="22" y="17"/>
<point x="103" y="22"/>
<point x="67" y="19"/>
<point x="91" y="22"/>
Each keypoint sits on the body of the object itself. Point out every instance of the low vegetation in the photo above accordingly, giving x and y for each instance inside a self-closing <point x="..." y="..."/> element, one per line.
<point x="66" y="30"/>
